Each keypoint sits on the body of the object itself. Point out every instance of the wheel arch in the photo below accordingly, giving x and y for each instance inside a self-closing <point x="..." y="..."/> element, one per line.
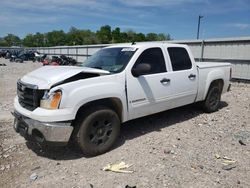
<point x="214" y="77"/>
<point x="112" y="103"/>
<point x="219" y="82"/>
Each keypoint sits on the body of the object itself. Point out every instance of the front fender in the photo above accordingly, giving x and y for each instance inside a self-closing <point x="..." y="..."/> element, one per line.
<point x="76" y="94"/>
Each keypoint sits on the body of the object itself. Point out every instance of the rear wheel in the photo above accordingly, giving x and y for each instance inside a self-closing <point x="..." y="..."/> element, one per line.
<point x="212" y="101"/>
<point x="97" y="131"/>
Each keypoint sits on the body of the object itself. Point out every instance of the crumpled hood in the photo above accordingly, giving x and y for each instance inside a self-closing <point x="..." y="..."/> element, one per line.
<point x="47" y="76"/>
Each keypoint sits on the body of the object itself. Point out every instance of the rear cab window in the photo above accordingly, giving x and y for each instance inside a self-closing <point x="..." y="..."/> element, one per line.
<point x="180" y="59"/>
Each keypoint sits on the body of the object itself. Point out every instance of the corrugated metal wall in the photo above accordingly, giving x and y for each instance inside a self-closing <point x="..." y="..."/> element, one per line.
<point x="233" y="51"/>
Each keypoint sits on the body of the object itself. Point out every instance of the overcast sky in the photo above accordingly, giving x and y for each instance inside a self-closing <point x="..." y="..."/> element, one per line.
<point x="222" y="18"/>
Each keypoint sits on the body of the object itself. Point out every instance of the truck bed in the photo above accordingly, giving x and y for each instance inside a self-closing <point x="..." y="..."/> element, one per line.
<point x="202" y="65"/>
<point x="209" y="71"/>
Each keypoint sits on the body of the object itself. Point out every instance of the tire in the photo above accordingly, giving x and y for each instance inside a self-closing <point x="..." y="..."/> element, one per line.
<point x="212" y="101"/>
<point x="96" y="131"/>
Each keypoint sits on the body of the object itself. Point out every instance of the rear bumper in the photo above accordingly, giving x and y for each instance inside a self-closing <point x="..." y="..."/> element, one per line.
<point x="56" y="133"/>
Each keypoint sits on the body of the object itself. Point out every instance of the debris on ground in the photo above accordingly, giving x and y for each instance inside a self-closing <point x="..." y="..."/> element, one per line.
<point x="118" y="167"/>
<point x="2" y="168"/>
<point x="127" y="186"/>
<point x="229" y="166"/>
<point x="217" y="156"/>
<point x="169" y="152"/>
<point x="8" y="149"/>
<point x="33" y="176"/>
<point x="242" y="143"/>
<point x="242" y="137"/>
<point x="194" y="167"/>
<point x="36" y="168"/>
<point x="228" y="163"/>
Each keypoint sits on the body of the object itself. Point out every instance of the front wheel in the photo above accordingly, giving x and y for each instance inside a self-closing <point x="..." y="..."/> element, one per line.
<point x="212" y="101"/>
<point x="97" y="131"/>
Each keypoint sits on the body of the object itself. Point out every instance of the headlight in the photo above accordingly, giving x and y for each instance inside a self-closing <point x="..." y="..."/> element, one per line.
<point x="52" y="100"/>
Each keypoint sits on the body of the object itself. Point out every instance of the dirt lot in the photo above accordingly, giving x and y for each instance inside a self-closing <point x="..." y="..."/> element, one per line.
<point x="183" y="147"/>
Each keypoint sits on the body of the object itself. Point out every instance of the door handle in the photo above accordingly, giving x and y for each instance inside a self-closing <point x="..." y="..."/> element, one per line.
<point x="192" y="76"/>
<point x="165" y="80"/>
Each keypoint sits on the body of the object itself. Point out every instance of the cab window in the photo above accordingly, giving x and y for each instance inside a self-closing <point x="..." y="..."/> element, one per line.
<point x="154" y="57"/>
<point x="180" y="59"/>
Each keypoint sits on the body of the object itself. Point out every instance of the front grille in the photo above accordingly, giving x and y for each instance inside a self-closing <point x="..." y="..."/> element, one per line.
<point x="28" y="95"/>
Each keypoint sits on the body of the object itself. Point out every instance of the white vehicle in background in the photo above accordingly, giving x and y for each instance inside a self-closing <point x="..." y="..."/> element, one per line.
<point x="39" y="57"/>
<point x="88" y="103"/>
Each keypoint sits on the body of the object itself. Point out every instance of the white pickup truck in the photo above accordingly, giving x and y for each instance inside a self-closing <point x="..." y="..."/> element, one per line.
<point x="86" y="104"/>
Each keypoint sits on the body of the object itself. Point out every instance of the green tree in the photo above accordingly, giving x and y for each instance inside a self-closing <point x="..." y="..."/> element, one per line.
<point x="131" y="36"/>
<point x="104" y="34"/>
<point x="124" y="37"/>
<point x="29" y="41"/>
<point x="162" y="37"/>
<point x="39" y="40"/>
<point x="140" y="37"/>
<point x="56" y="38"/>
<point x="12" y="40"/>
<point x="74" y="37"/>
<point x="116" y="35"/>
<point x="3" y="42"/>
<point x="89" y="37"/>
<point x="79" y="37"/>
<point x="151" y="37"/>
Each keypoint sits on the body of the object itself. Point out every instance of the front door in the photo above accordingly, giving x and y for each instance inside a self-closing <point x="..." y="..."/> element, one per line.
<point x="147" y="93"/>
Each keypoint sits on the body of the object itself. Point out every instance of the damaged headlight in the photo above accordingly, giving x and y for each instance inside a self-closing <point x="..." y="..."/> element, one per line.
<point x="51" y="100"/>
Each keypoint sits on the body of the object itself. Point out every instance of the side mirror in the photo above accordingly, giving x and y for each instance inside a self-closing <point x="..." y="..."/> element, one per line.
<point x="141" y="69"/>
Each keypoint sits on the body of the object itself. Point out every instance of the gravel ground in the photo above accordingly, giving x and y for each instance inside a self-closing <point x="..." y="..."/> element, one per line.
<point x="183" y="147"/>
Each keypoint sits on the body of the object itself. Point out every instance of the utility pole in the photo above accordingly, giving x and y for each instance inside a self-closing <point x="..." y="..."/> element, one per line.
<point x="199" y="21"/>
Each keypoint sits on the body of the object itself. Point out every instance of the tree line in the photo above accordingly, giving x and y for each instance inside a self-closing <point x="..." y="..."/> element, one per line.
<point x="74" y="36"/>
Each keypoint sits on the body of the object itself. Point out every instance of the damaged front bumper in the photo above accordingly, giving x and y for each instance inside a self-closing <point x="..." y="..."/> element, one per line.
<point x="56" y="133"/>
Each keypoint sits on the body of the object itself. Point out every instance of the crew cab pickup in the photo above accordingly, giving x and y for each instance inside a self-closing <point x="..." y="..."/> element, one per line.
<point x="86" y="104"/>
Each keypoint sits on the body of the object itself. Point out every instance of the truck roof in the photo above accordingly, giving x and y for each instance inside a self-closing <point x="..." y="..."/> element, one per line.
<point x="147" y="44"/>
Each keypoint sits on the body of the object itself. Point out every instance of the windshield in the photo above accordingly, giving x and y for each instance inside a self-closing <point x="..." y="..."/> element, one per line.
<point x="111" y="59"/>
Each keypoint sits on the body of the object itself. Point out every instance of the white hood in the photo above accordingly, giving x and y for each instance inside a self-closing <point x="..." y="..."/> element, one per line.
<point x="47" y="76"/>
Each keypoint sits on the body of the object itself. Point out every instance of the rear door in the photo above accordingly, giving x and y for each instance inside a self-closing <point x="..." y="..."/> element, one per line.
<point x="184" y="79"/>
